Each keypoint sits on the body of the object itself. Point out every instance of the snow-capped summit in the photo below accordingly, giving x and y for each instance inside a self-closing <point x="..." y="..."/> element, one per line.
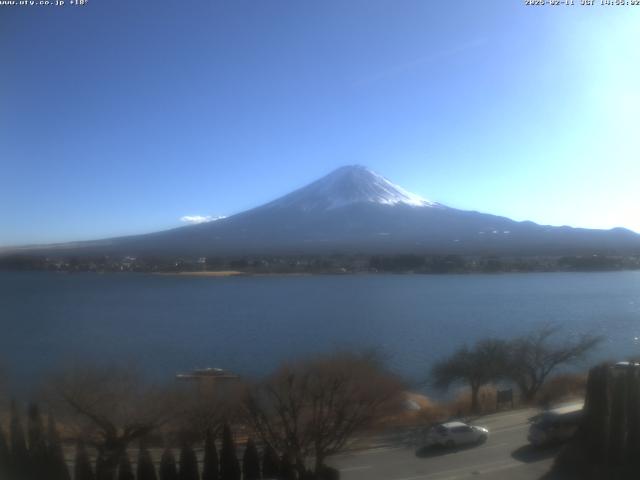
<point x="353" y="184"/>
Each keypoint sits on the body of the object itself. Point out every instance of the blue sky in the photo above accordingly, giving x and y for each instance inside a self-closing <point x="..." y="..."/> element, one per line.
<point x="122" y="117"/>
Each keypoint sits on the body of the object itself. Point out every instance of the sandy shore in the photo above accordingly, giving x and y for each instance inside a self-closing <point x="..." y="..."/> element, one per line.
<point x="219" y="273"/>
<point x="233" y="273"/>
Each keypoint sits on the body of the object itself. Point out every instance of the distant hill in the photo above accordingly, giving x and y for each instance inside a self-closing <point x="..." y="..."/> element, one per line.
<point x="355" y="210"/>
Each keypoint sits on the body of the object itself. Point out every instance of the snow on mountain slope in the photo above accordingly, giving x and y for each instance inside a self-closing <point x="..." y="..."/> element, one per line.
<point x="347" y="186"/>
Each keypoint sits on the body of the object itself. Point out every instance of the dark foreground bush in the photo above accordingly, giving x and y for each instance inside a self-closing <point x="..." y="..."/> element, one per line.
<point x="270" y="463"/>
<point x="168" y="468"/>
<point x="229" y="465"/>
<point x="328" y="473"/>
<point x="146" y="470"/>
<point x="188" y="464"/>
<point x="210" y="467"/>
<point x="607" y="442"/>
<point x="82" y="464"/>
<point x="125" y="470"/>
<point x="250" y="462"/>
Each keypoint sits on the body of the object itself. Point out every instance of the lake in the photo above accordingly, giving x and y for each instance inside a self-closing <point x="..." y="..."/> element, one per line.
<point x="167" y="324"/>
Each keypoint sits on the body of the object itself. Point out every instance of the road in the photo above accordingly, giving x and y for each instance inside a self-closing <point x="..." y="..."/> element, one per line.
<point x="505" y="455"/>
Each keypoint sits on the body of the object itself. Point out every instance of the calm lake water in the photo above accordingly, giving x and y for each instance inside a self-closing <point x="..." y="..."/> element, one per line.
<point x="249" y="324"/>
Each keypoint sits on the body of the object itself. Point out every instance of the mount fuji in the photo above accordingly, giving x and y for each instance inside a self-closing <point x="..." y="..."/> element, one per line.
<point x="355" y="210"/>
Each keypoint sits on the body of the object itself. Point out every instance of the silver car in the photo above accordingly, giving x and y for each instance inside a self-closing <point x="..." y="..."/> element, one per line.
<point x="555" y="426"/>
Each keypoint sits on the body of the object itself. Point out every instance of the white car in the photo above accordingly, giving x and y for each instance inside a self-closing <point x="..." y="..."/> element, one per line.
<point x="452" y="434"/>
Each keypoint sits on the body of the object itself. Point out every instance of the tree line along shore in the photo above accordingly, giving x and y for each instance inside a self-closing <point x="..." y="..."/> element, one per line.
<point x="325" y="264"/>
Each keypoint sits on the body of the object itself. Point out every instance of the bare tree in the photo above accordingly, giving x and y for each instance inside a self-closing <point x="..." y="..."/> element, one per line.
<point x="311" y="409"/>
<point x="110" y="408"/>
<point x="534" y="356"/>
<point x="476" y="366"/>
<point x="207" y="411"/>
<point x="4" y="380"/>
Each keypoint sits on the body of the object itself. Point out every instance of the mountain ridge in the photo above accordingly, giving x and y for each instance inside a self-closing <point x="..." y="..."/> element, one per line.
<point x="356" y="210"/>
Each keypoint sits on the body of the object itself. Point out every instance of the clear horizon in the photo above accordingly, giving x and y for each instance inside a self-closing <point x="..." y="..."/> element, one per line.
<point x="125" y="118"/>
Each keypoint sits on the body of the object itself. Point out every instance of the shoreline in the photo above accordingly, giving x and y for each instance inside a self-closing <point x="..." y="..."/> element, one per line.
<point x="238" y="273"/>
<point x="219" y="273"/>
<point x="232" y="273"/>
